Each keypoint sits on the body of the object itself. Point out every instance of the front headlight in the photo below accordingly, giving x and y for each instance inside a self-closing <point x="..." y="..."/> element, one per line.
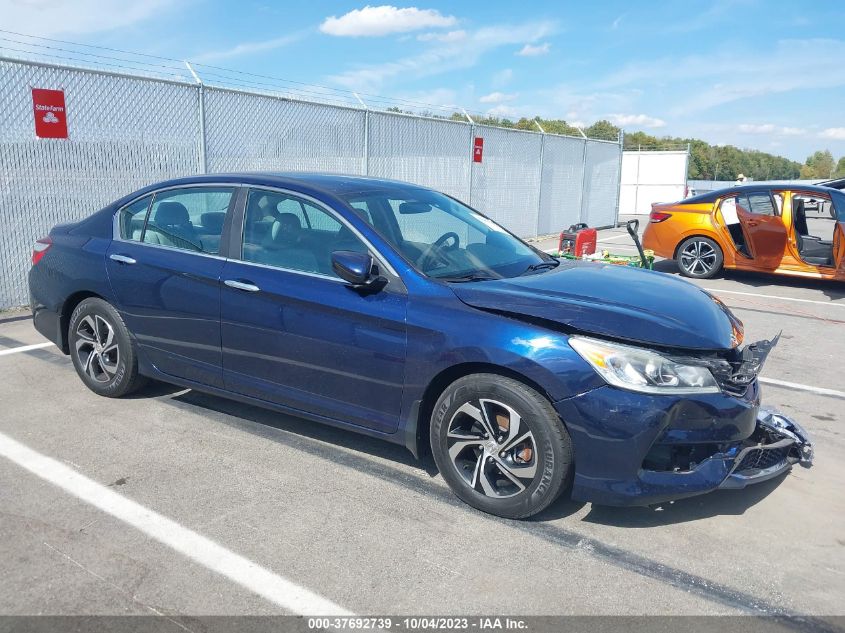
<point x="638" y="369"/>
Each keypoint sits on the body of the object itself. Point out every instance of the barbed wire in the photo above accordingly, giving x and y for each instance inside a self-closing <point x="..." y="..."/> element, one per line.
<point x="175" y="68"/>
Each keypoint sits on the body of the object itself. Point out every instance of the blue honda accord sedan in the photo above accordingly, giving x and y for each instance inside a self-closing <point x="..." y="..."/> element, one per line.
<point x="399" y="312"/>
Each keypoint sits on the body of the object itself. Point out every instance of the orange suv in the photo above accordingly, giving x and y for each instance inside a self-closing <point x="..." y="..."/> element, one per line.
<point x="788" y="230"/>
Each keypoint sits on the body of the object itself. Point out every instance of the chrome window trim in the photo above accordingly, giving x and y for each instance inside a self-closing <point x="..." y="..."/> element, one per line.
<point x="378" y="258"/>
<point x="117" y="237"/>
<point x="175" y="249"/>
<point x="287" y="270"/>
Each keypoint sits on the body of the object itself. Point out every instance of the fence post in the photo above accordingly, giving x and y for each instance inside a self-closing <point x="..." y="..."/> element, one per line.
<point x="366" y="157"/>
<point x="619" y="179"/>
<point x="582" y="216"/>
<point x="201" y="113"/>
<point x="471" y="152"/>
<point x="540" y="181"/>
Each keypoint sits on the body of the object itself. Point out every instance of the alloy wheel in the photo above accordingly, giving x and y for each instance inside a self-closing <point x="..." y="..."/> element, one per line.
<point x="698" y="258"/>
<point x="96" y="348"/>
<point x="491" y="448"/>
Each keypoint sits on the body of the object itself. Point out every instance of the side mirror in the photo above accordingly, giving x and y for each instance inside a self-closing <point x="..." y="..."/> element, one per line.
<point x="356" y="269"/>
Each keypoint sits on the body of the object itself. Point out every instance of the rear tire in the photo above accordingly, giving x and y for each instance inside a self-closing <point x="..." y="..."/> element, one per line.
<point x="699" y="258"/>
<point x="102" y="351"/>
<point x="500" y="445"/>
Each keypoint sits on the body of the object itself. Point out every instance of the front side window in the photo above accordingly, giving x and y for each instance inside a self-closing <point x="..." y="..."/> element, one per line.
<point x="443" y="238"/>
<point x="289" y="232"/>
<point x="190" y="218"/>
<point x="131" y="219"/>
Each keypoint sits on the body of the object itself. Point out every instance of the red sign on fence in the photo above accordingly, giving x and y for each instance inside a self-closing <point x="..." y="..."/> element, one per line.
<point x="477" y="149"/>
<point x="48" y="106"/>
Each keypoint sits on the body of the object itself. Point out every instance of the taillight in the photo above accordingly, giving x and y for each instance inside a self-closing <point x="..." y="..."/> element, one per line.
<point x="40" y="249"/>
<point x="658" y="216"/>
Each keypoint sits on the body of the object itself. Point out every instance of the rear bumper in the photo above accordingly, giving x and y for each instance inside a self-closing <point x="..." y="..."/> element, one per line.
<point x="48" y="323"/>
<point x="727" y="444"/>
<point x="660" y="244"/>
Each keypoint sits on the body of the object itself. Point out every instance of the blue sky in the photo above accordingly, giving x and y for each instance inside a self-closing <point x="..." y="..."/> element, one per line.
<point x="753" y="73"/>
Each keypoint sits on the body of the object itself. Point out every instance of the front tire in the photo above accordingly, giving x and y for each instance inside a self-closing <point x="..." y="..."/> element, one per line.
<point x="500" y="446"/>
<point x="699" y="258"/>
<point x="101" y="349"/>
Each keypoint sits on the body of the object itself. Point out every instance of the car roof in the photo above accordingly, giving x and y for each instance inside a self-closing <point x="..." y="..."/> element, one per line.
<point x="333" y="184"/>
<point x="712" y="196"/>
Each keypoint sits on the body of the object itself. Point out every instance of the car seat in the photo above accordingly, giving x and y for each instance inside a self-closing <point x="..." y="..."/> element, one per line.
<point x="812" y="249"/>
<point x="283" y="246"/>
<point x="171" y="226"/>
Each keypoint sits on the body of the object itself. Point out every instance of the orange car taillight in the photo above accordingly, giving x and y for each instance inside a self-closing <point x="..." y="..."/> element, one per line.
<point x="40" y="249"/>
<point x="658" y="216"/>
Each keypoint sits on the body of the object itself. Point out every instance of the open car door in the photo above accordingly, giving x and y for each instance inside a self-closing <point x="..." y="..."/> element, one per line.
<point x="839" y="247"/>
<point x="763" y="227"/>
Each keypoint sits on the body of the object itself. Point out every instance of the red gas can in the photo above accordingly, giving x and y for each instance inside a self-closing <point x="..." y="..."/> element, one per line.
<point x="579" y="240"/>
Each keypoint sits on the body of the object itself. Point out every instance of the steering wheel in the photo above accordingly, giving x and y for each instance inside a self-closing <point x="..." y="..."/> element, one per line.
<point x="435" y="252"/>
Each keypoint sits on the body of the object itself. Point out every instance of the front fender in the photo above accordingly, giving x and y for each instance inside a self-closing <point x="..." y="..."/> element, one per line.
<point x="444" y="333"/>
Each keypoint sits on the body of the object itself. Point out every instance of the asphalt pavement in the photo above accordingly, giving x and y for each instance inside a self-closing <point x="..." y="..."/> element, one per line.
<point x="178" y="503"/>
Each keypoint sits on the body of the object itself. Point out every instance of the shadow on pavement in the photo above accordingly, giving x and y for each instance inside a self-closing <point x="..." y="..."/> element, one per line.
<point x="266" y="423"/>
<point x="831" y="289"/>
<point x="720" y="502"/>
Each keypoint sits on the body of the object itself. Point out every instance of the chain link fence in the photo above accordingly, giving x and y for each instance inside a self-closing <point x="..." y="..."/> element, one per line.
<point x="128" y="131"/>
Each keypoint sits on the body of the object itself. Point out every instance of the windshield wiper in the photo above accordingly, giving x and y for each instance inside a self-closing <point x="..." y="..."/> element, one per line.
<point x="549" y="263"/>
<point x="473" y="276"/>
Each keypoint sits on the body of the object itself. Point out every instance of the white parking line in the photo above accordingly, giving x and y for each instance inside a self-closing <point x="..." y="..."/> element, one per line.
<point x="614" y="237"/>
<point x="197" y="547"/>
<point x="24" y="348"/>
<point x="822" y="391"/>
<point x="779" y="298"/>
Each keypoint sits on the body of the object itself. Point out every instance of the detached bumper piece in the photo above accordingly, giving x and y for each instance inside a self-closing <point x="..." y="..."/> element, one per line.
<point x="777" y="443"/>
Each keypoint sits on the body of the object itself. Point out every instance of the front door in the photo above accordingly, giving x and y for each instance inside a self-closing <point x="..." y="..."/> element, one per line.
<point x="295" y="334"/>
<point x="165" y="274"/>
<point x="761" y="221"/>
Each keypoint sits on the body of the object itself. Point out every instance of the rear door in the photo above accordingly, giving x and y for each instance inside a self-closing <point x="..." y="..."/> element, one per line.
<point x="295" y="334"/>
<point x="164" y="267"/>
<point x="763" y="226"/>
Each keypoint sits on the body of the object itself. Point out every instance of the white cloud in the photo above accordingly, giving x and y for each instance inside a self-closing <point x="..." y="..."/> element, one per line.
<point x="384" y="20"/>
<point x="498" y="97"/>
<point x="450" y="36"/>
<point x="247" y="48"/>
<point x="639" y="120"/>
<point x="502" y="78"/>
<point x="770" y="129"/>
<point x="503" y="111"/>
<point x="440" y="57"/>
<point x="835" y="133"/>
<point x="60" y="17"/>
<point x="530" y="50"/>
<point x="729" y="75"/>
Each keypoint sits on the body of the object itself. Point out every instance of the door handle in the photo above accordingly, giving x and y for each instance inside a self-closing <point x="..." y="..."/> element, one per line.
<point x="122" y="259"/>
<point x="241" y="285"/>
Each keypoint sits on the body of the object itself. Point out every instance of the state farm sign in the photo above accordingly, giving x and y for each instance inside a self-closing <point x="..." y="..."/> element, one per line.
<point x="48" y="106"/>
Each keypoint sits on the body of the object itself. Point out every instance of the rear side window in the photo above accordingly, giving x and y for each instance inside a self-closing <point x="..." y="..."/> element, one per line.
<point x="132" y="217"/>
<point x="761" y="204"/>
<point x="190" y="219"/>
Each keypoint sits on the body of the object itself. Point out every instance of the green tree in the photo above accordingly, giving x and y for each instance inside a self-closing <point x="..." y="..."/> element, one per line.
<point x="840" y="168"/>
<point x="818" y="166"/>
<point x="603" y="130"/>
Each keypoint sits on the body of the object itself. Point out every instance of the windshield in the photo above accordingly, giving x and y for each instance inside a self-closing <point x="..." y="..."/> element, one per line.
<point x="443" y="238"/>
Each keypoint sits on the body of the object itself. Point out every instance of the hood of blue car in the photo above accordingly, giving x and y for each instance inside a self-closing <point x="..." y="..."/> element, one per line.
<point x="619" y="302"/>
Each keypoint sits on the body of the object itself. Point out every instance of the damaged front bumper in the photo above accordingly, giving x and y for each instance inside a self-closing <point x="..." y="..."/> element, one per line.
<point x="643" y="449"/>
<point x="777" y="443"/>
